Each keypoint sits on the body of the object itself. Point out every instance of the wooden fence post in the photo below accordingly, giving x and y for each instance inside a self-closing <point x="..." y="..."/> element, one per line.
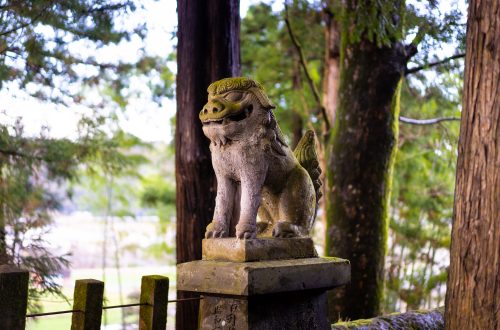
<point x="87" y="305"/>
<point x="154" y="296"/>
<point x="13" y="297"/>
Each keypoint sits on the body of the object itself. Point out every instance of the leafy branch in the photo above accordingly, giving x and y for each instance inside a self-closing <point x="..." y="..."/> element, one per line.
<point x="303" y="63"/>
<point x="26" y="24"/>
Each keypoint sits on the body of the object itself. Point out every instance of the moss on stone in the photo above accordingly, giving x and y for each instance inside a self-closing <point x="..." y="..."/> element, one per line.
<point x="413" y="320"/>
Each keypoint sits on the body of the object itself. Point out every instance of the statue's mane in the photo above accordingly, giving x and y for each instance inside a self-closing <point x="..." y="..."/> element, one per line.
<point x="279" y="144"/>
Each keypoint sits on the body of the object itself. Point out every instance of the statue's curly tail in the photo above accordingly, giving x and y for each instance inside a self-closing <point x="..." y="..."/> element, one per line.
<point x="305" y="152"/>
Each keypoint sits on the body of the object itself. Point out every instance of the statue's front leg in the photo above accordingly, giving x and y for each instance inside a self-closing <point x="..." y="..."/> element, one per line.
<point x="251" y="191"/>
<point x="224" y="203"/>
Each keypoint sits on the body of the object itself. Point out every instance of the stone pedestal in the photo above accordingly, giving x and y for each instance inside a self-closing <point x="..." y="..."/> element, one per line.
<point x="275" y="292"/>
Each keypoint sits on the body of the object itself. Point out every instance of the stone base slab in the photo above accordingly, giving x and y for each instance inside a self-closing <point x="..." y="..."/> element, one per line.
<point x="305" y="310"/>
<point x="259" y="249"/>
<point x="262" y="277"/>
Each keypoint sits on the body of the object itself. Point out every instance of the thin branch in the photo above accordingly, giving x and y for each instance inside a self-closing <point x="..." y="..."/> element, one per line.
<point x="74" y="60"/>
<point x="303" y="63"/>
<point x="19" y="154"/>
<point x="433" y="64"/>
<point x="106" y="8"/>
<point x="32" y="21"/>
<point x="431" y="121"/>
<point x="19" y="27"/>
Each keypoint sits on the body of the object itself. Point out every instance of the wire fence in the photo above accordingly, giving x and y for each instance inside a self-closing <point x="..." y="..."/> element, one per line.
<point x="108" y="307"/>
<point x="87" y="302"/>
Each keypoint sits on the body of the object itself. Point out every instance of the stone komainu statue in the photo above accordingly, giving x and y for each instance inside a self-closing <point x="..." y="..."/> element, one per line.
<point x="256" y="171"/>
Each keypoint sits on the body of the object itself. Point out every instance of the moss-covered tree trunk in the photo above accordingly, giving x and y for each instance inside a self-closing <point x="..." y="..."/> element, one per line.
<point x="473" y="294"/>
<point x="360" y="162"/>
<point x="208" y="50"/>
<point x="331" y="80"/>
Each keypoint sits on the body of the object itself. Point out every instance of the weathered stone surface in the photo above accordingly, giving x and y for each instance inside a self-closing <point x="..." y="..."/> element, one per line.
<point x="257" y="173"/>
<point x="305" y="310"/>
<point x="426" y="319"/>
<point x="260" y="249"/>
<point x="263" y="277"/>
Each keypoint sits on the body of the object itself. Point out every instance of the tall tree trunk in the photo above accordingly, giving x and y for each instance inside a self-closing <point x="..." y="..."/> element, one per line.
<point x="473" y="296"/>
<point x="331" y="80"/>
<point x="331" y="74"/>
<point x="208" y="50"/>
<point x="360" y="162"/>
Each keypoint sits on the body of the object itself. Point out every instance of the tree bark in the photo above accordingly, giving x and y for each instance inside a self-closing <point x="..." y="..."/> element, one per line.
<point x="208" y="50"/>
<point x="331" y="74"/>
<point x="360" y="161"/>
<point x="473" y="295"/>
<point x="331" y="80"/>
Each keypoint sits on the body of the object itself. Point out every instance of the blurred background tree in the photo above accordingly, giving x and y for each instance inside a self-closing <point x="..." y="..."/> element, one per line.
<point x="50" y="52"/>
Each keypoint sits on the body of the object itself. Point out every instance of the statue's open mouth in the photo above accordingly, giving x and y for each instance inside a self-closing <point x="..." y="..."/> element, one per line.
<point x="238" y="116"/>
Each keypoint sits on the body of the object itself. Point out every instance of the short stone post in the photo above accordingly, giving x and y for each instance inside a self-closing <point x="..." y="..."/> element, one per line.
<point x="87" y="305"/>
<point x="13" y="297"/>
<point x="262" y="284"/>
<point x="154" y="300"/>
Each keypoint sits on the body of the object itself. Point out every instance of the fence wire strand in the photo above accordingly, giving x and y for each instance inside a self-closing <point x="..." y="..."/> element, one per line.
<point x="108" y="307"/>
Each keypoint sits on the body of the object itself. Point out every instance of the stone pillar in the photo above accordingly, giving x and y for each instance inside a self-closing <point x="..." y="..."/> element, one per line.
<point x="264" y="283"/>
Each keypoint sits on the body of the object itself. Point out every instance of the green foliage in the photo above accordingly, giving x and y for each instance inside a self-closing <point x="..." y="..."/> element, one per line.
<point x="422" y="198"/>
<point x="268" y="56"/>
<point x="376" y="21"/>
<point x="427" y="24"/>
<point x="114" y="178"/>
<point x="32" y="171"/>
<point x="50" y="50"/>
<point x="158" y="193"/>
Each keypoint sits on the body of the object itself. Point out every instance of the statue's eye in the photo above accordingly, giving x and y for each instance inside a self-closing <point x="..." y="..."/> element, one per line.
<point x="233" y="96"/>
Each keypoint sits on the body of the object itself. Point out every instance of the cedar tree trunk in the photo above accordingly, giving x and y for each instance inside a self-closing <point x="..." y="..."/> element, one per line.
<point x="331" y="74"/>
<point x="360" y="162"/>
<point x="473" y="296"/>
<point x="208" y="50"/>
<point x="331" y="80"/>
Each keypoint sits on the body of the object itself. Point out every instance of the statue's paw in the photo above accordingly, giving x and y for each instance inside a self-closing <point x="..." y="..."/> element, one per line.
<point x="283" y="229"/>
<point x="215" y="230"/>
<point x="246" y="231"/>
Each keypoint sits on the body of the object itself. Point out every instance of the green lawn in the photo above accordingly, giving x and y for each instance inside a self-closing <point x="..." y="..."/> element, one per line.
<point x="131" y="282"/>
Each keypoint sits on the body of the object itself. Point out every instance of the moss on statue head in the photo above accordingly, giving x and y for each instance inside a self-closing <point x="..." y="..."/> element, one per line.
<point x="228" y="84"/>
<point x="243" y="84"/>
